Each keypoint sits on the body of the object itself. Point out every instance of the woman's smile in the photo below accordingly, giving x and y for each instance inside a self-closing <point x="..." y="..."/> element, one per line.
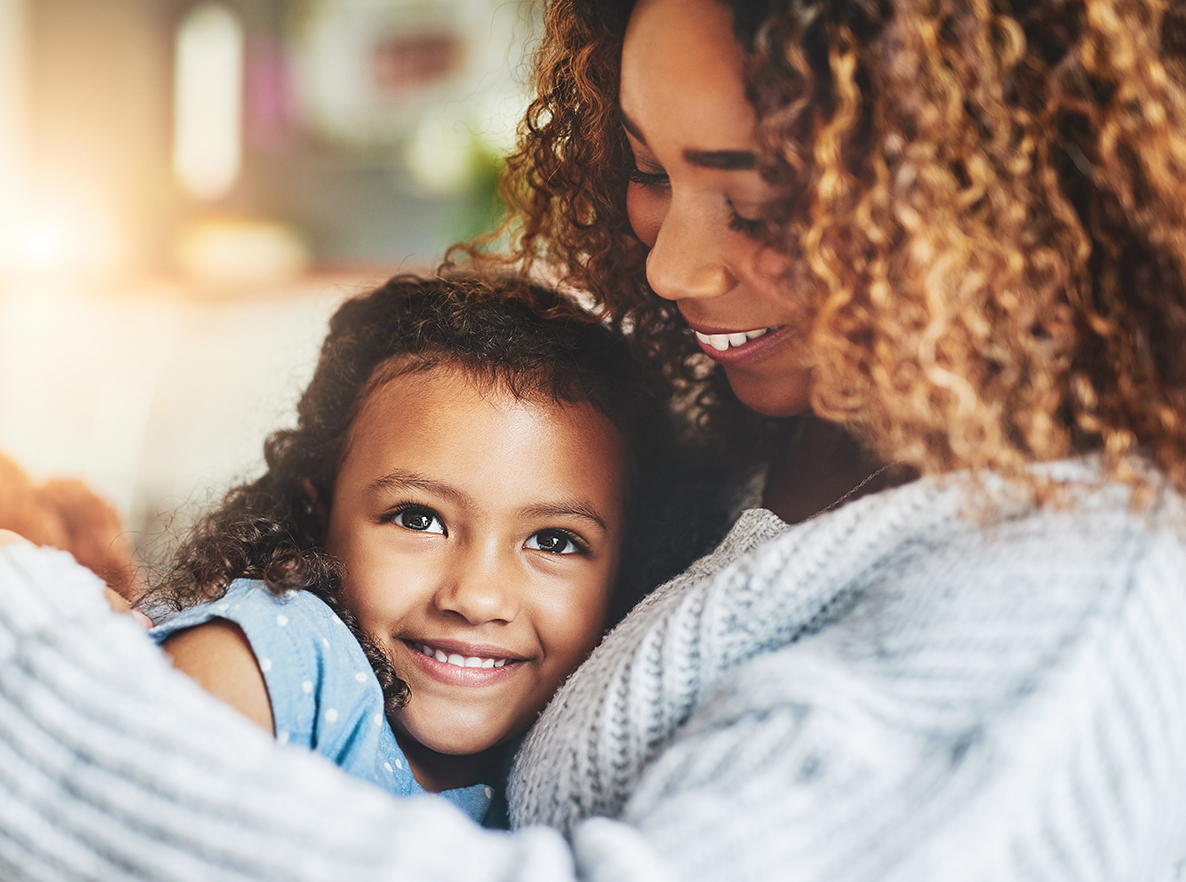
<point x="695" y="192"/>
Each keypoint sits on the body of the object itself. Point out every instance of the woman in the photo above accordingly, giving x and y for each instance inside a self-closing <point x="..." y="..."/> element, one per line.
<point x="954" y="230"/>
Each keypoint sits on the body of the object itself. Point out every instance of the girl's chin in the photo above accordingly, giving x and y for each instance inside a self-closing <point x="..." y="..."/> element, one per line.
<point x="444" y="740"/>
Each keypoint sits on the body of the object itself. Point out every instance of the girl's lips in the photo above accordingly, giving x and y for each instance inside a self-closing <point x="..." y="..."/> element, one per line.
<point x="736" y="355"/>
<point x="464" y="665"/>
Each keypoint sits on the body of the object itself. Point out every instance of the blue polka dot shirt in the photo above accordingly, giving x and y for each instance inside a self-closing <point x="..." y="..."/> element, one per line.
<point x="325" y="697"/>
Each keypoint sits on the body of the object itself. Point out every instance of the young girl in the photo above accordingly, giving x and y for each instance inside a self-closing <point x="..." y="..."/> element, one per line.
<point x="437" y="544"/>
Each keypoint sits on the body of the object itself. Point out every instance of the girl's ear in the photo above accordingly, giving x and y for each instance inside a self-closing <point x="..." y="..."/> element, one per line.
<point x="314" y="506"/>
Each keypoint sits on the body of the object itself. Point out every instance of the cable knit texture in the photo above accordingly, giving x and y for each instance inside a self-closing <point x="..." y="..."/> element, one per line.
<point x="891" y="691"/>
<point x="895" y="690"/>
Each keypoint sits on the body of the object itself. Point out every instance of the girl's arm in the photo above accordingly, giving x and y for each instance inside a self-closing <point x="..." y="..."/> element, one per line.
<point x="218" y="657"/>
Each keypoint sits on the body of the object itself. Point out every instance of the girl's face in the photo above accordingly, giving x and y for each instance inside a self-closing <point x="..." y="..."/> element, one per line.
<point x="479" y="535"/>
<point x="695" y="194"/>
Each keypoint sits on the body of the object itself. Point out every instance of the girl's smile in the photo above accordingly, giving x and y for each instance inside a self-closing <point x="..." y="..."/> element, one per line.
<point x="479" y="536"/>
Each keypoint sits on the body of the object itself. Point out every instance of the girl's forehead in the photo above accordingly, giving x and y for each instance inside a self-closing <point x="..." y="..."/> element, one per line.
<point x="495" y="455"/>
<point x="450" y="405"/>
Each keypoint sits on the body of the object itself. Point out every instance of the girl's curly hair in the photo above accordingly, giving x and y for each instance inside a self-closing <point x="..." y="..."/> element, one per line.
<point x="527" y="340"/>
<point x="983" y="202"/>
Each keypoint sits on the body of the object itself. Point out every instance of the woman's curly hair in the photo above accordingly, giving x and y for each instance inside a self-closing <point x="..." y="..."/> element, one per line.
<point x="525" y="339"/>
<point x="984" y="203"/>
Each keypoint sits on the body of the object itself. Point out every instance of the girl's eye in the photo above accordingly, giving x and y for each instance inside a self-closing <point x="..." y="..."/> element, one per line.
<point x="556" y="542"/>
<point x="648" y="179"/>
<point x="751" y="227"/>
<point x="422" y="520"/>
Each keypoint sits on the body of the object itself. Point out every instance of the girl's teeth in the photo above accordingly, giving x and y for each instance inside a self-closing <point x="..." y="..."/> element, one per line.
<point x="460" y="660"/>
<point x="721" y="342"/>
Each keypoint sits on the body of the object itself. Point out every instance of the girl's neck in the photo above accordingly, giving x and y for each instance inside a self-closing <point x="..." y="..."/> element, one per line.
<point x="436" y="772"/>
<point x="822" y="467"/>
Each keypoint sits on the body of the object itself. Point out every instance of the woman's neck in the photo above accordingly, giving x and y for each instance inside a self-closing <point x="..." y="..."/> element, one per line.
<point x="436" y="772"/>
<point x="821" y="468"/>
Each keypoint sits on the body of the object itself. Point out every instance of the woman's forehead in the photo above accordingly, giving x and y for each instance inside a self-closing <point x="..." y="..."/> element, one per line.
<point x="682" y="69"/>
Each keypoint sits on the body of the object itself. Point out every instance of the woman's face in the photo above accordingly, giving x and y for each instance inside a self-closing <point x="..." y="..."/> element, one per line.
<point x="695" y="194"/>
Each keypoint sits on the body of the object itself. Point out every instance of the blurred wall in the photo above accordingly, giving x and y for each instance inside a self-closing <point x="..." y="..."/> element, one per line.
<point x="155" y="374"/>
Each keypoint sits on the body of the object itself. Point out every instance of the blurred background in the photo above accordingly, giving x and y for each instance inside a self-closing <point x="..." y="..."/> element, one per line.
<point x="188" y="189"/>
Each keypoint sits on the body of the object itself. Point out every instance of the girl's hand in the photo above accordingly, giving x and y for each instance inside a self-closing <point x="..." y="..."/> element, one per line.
<point x="122" y="606"/>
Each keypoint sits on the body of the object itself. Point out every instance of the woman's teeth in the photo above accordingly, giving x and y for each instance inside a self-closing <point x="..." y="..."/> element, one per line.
<point x="460" y="661"/>
<point x="721" y="342"/>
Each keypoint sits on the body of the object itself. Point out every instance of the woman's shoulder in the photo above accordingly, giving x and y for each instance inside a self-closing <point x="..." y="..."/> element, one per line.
<point x="887" y="583"/>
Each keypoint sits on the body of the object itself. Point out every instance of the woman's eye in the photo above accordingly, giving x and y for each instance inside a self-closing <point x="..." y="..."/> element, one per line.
<point x="555" y="542"/>
<point x="422" y="520"/>
<point x="648" y="179"/>
<point x="751" y="227"/>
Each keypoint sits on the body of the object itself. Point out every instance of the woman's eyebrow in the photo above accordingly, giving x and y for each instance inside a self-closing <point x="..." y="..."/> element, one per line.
<point x="721" y="160"/>
<point x="629" y="125"/>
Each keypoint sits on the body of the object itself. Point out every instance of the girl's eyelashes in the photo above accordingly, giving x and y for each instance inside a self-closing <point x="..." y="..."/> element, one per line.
<point x="417" y="517"/>
<point x="556" y="542"/>
<point x="751" y="227"/>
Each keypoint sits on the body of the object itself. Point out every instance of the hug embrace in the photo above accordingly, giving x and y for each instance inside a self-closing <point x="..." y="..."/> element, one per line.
<point x="913" y="277"/>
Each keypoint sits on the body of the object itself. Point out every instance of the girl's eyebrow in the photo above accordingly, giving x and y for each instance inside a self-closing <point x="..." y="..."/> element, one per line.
<point x="405" y="480"/>
<point x="720" y="160"/>
<point x="567" y="509"/>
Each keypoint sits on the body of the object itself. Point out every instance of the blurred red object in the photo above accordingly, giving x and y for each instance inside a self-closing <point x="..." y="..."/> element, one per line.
<point x="69" y="515"/>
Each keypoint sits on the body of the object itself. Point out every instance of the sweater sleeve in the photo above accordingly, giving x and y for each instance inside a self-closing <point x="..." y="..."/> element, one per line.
<point x="924" y="698"/>
<point x="998" y="739"/>
<point x="115" y="767"/>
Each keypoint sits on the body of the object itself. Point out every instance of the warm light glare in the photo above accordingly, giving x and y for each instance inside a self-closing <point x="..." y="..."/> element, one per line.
<point x="208" y="100"/>
<point x="14" y="170"/>
<point x="65" y="235"/>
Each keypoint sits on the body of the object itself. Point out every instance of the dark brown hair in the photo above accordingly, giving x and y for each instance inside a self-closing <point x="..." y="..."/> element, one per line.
<point x="527" y="339"/>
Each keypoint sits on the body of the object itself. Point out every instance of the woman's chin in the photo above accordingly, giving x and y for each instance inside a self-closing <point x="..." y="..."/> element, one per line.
<point x="783" y="396"/>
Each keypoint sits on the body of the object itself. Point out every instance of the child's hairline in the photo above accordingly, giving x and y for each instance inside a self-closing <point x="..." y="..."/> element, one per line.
<point x="485" y="379"/>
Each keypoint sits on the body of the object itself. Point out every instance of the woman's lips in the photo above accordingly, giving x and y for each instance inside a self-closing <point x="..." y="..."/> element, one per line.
<point x="463" y="665"/>
<point x="731" y="348"/>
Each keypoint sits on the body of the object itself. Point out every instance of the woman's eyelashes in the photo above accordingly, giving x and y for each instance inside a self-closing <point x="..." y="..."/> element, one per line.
<point x="648" y="179"/>
<point x="419" y="518"/>
<point x="748" y="226"/>
<point x="556" y="542"/>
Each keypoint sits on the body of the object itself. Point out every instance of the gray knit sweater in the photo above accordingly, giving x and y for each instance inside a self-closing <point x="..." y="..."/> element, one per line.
<point x="903" y="688"/>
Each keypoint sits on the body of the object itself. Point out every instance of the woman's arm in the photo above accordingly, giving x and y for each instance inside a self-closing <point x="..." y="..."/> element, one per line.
<point x="218" y="657"/>
<point x="115" y="767"/>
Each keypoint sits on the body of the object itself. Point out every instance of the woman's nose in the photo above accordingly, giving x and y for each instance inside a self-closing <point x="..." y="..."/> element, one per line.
<point x="480" y="587"/>
<point x="687" y="260"/>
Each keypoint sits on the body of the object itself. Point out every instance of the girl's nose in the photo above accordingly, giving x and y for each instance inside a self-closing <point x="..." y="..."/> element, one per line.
<point x="480" y="588"/>
<point x="686" y="260"/>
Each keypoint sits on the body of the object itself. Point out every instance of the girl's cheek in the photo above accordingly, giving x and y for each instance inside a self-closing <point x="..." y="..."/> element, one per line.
<point x="646" y="211"/>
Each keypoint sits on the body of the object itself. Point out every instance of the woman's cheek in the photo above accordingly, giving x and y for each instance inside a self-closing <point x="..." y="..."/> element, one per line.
<point x="646" y="210"/>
